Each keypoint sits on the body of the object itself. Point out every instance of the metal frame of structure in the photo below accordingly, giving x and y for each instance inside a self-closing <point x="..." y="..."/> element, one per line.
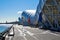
<point x="51" y="10"/>
<point x="6" y="32"/>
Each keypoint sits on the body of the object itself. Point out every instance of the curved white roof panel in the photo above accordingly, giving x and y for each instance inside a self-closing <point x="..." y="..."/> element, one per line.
<point x="30" y="12"/>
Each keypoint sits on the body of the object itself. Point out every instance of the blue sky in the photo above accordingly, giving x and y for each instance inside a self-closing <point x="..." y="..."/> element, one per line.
<point x="9" y="8"/>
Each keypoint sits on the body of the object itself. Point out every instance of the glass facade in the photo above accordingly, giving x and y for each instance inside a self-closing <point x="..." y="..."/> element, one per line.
<point x="52" y="11"/>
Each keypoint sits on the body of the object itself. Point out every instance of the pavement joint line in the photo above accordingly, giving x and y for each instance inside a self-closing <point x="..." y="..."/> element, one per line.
<point x="54" y="34"/>
<point x="31" y="34"/>
<point x="26" y="31"/>
<point x="25" y="38"/>
<point x="50" y="33"/>
<point x="34" y="37"/>
<point x="22" y="34"/>
<point x="45" y="32"/>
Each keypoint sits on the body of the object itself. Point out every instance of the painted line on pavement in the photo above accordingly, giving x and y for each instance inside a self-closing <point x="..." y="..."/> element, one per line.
<point x="22" y="34"/>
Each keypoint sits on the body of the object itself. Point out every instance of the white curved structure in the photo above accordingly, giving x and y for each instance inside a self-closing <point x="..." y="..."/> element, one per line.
<point x="32" y="16"/>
